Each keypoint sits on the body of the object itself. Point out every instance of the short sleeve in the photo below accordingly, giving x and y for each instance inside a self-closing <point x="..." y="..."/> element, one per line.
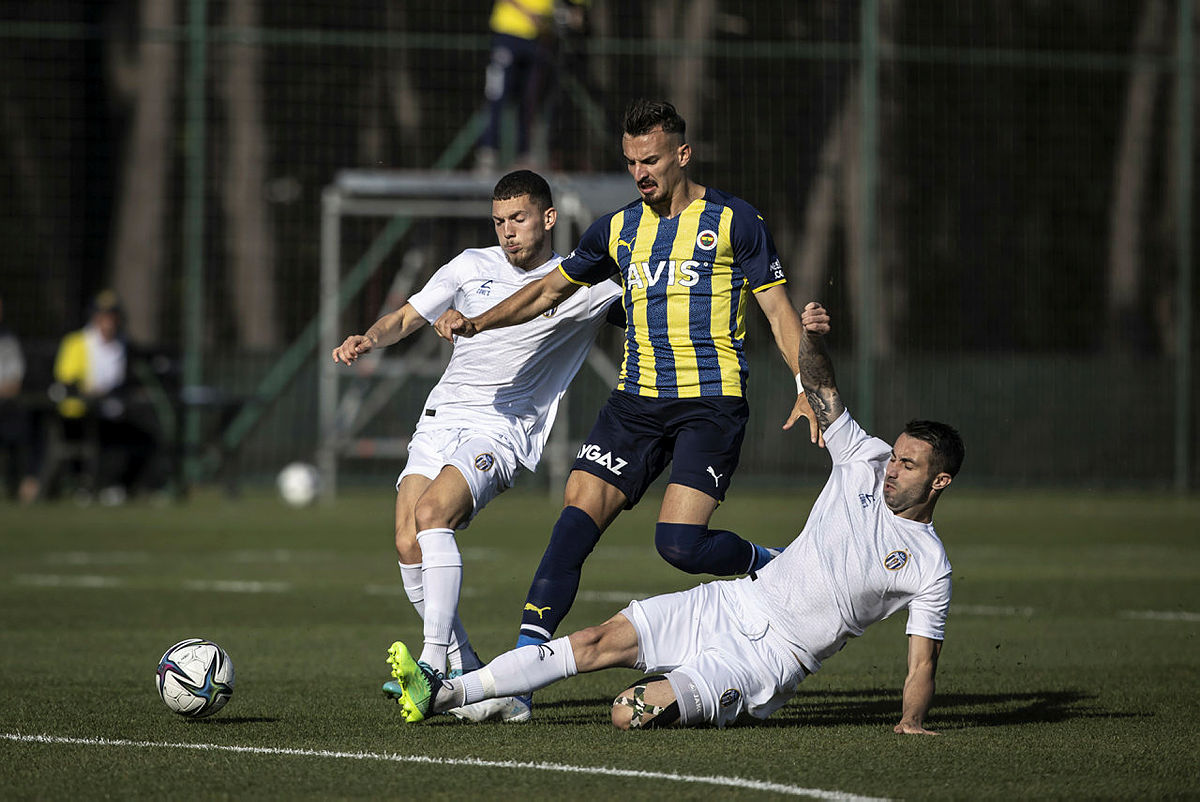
<point x="928" y="610"/>
<point x="438" y="293"/>
<point x="754" y="249"/>
<point x="846" y="441"/>
<point x="601" y="297"/>
<point x="590" y="262"/>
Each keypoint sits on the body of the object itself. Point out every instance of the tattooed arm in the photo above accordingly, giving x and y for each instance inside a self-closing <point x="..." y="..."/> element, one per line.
<point x="816" y="368"/>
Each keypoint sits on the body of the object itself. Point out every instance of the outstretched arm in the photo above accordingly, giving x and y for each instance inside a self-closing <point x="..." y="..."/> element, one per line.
<point x="524" y="304"/>
<point x="785" y="325"/>
<point x="918" y="685"/>
<point x="816" y="368"/>
<point x="389" y="329"/>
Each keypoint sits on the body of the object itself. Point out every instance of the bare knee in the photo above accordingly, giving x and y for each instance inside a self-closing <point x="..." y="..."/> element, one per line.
<point x="406" y="541"/>
<point x="429" y="514"/>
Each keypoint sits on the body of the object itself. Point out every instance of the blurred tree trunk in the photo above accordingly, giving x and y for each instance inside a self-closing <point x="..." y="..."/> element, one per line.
<point x="147" y="82"/>
<point x="249" y="242"/>
<point x="889" y="186"/>
<point x="1164" y="313"/>
<point x="34" y="189"/>
<point x="892" y="294"/>
<point x="1130" y="174"/>
<point x="821" y="208"/>
<point x="390" y="99"/>
<point x="683" y="77"/>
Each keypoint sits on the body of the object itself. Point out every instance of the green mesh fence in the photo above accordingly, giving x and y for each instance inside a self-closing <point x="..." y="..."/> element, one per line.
<point x="994" y="198"/>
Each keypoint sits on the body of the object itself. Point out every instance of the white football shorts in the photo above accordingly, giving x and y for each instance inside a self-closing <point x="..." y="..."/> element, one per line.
<point x="487" y="463"/>
<point x="735" y="661"/>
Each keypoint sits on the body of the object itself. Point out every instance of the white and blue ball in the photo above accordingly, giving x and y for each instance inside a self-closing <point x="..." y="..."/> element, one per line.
<point x="195" y="678"/>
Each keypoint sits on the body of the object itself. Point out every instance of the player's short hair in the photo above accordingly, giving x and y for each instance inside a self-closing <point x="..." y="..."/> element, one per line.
<point x="643" y="116"/>
<point x="524" y="182"/>
<point x="944" y="439"/>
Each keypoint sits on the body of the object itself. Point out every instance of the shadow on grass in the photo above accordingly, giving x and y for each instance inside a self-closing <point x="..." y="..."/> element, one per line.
<point x="881" y="706"/>
<point x="216" y="721"/>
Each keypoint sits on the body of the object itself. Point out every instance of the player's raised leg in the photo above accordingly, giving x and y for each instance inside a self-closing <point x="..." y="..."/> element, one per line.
<point x="590" y="505"/>
<point x="684" y="539"/>
<point x="516" y="672"/>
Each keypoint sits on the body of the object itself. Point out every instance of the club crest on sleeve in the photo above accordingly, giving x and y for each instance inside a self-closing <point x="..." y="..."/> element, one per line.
<point x="484" y="462"/>
<point x="896" y="560"/>
<point x="730" y="697"/>
<point x="706" y="239"/>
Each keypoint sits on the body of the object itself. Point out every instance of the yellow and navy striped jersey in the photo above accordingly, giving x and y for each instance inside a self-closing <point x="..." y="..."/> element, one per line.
<point x="686" y="284"/>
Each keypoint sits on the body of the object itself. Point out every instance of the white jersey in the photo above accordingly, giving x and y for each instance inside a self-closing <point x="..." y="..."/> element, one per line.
<point x="855" y="562"/>
<point x="507" y="381"/>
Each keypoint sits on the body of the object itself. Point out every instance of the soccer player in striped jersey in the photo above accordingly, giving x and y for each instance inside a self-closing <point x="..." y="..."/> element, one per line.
<point x="689" y="258"/>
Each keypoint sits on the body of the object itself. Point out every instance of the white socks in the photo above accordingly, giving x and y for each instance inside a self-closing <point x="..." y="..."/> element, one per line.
<point x="437" y="599"/>
<point x="515" y="673"/>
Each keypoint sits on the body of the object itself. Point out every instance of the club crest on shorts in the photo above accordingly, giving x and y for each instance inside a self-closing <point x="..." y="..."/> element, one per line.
<point x="706" y="239"/>
<point x="896" y="560"/>
<point x="484" y="462"/>
<point x="730" y="697"/>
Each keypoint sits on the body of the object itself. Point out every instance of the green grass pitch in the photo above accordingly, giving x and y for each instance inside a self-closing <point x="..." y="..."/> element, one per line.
<point x="1071" y="666"/>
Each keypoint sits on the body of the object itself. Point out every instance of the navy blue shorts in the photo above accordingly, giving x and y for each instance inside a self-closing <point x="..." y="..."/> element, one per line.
<point x="634" y="438"/>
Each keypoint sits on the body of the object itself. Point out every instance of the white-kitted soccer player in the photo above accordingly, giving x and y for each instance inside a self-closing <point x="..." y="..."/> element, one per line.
<point x="492" y="410"/>
<point x="740" y="646"/>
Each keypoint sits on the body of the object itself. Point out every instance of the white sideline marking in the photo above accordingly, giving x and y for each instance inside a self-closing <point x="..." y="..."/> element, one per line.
<point x="1160" y="615"/>
<point x="98" y="558"/>
<point x="983" y="609"/>
<point x="237" y="586"/>
<point x="56" y="581"/>
<point x="730" y="782"/>
<point x="397" y="589"/>
<point x="619" y="596"/>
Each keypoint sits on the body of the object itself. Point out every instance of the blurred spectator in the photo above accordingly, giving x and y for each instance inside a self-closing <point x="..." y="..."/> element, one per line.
<point x="90" y="374"/>
<point x="521" y="71"/>
<point x="16" y="422"/>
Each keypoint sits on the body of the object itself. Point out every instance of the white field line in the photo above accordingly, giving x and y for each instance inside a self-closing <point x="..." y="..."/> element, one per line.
<point x="1160" y="615"/>
<point x="728" y="782"/>
<point x="984" y="609"/>
<point x="236" y="586"/>
<point x="617" y="596"/>
<point x="98" y="558"/>
<point x="59" y="581"/>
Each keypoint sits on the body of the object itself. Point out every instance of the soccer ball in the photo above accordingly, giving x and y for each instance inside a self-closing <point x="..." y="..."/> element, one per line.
<point x="299" y="484"/>
<point x="195" y="678"/>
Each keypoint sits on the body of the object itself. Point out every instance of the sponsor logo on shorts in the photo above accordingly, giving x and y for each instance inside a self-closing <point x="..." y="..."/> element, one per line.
<point x="896" y="560"/>
<point x="716" y="476"/>
<point x="707" y="239"/>
<point x="730" y="697"/>
<point x="484" y="462"/>
<point x="592" y="453"/>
